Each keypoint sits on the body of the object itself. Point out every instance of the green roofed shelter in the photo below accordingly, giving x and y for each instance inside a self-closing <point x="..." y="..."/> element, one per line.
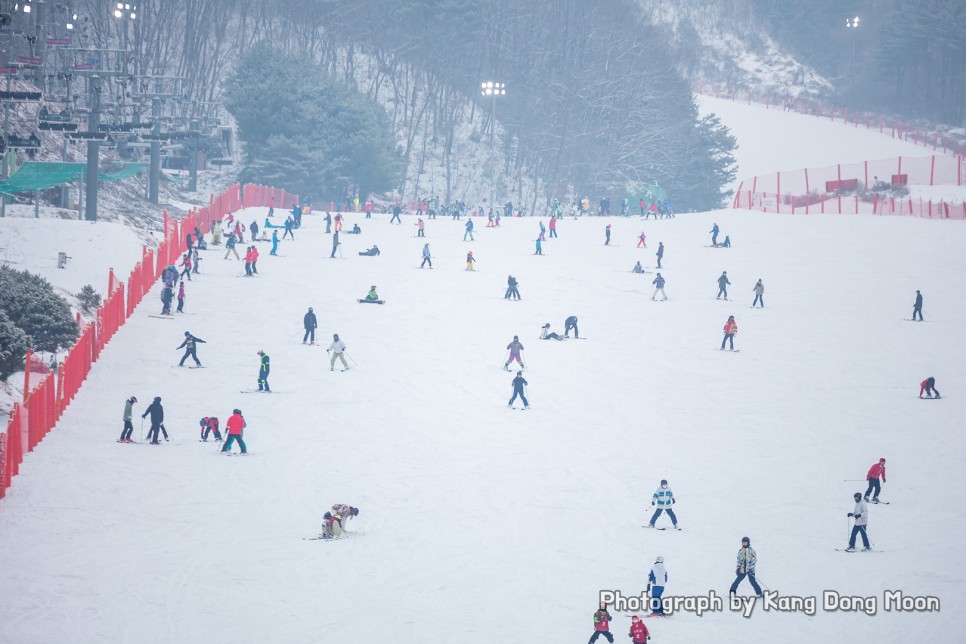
<point x="38" y="175"/>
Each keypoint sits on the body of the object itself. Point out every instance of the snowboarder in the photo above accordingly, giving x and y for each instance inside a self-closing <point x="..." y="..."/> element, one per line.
<point x="714" y="235"/>
<point x="311" y="324"/>
<point x="602" y="625"/>
<point x="427" y="258"/>
<point x="759" y="294"/>
<point x="607" y="235"/>
<point x="727" y="242"/>
<point x="274" y="250"/>
<point x="264" y="366"/>
<point x="337" y="350"/>
<point x="655" y="583"/>
<point x="660" y="253"/>
<point x="929" y="386"/>
<point x="553" y="226"/>
<point x="539" y="245"/>
<point x="730" y="329"/>
<point x="663" y="499"/>
<point x="747" y="562"/>
<point x="190" y="348"/>
<point x="515" y="348"/>
<point x="545" y="333"/>
<point x="637" y="268"/>
<point x="917" y="307"/>
<point x="181" y="297"/>
<point x="518" y="384"/>
<point x="723" y="285"/>
<point x="372" y="252"/>
<point x="209" y="424"/>
<point x="128" y="425"/>
<point x="235" y="429"/>
<point x="469" y="229"/>
<point x="157" y="419"/>
<point x="511" y="288"/>
<point x="877" y="470"/>
<point x="335" y="244"/>
<point x="658" y="287"/>
<point x="371" y="297"/>
<point x="571" y="323"/>
<point x="861" y="516"/>
<point x="639" y="633"/>
<point x="469" y="260"/>
<point x="642" y="240"/>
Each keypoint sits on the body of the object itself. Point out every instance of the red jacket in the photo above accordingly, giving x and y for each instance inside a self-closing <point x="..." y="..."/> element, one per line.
<point x="553" y="223"/>
<point x="731" y="327"/>
<point x="876" y="471"/>
<point x="249" y="256"/>
<point x="602" y="620"/>
<point x="235" y="425"/>
<point x="255" y="254"/>
<point x="639" y="632"/>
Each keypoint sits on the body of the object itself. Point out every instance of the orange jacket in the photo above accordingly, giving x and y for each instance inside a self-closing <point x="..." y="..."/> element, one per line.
<point x="731" y="327"/>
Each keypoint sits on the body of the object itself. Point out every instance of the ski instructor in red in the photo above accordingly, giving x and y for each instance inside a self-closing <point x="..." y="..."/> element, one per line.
<point x="872" y="477"/>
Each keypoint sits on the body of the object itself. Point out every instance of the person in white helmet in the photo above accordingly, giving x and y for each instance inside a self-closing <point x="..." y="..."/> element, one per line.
<point x="655" y="586"/>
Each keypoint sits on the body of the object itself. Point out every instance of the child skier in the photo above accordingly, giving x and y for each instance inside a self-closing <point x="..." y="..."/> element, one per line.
<point x="639" y="633"/>
<point x="128" y="425"/>
<point x="929" y="386"/>
<point x="511" y="288"/>
<point x="730" y="329"/>
<point x="181" y="297"/>
<point x="655" y="583"/>
<point x="642" y="240"/>
<point x="663" y="499"/>
<point x="545" y="333"/>
<point x="515" y="348"/>
<point x="747" y="562"/>
<point x="723" y="285"/>
<point x="190" y="347"/>
<point x="469" y="260"/>
<point x="607" y="235"/>
<point x="759" y="294"/>
<point x="209" y="424"/>
<point x="236" y="427"/>
<point x="861" y="519"/>
<point x="539" y="245"/>
<point x="602" y="625"/>
<point x="658" y="287"/>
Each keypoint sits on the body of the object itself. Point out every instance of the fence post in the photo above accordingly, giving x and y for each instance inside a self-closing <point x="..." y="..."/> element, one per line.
<point x="778" y="194"/>
<point x="26" y="372"/>
<point x="932" y="171"/>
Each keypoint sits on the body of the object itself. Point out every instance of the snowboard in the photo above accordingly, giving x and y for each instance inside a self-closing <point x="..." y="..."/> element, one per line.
<point x="371" y="301"/>
<point x="256" y="391"/>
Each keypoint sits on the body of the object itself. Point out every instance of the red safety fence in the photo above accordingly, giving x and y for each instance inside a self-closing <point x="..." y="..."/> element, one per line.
<point x="891" y="127"/>
<point x="853" y="204"/>
<point x="44" y="403"/>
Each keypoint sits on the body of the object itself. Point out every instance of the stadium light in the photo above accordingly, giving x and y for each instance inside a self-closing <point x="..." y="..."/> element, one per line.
<point x="492" y="89"/>
<point x="852" y="24"/>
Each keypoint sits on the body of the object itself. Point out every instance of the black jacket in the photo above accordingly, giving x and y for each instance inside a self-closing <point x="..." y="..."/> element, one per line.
<point x="309" y="321"/>
<point x="156" y="411"/>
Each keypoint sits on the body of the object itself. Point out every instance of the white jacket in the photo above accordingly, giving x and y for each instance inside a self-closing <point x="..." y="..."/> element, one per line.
<point x="338" y="346"/>
<point x="861" y="513"/>
<point x="658" y="576"/>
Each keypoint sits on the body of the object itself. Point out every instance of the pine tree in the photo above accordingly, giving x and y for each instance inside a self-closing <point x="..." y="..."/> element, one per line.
<point x="30" y="303"/>
<point x="13" y="347"/>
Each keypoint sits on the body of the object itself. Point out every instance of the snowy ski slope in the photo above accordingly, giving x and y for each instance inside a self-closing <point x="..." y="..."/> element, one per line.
<point x="484" y="524"/>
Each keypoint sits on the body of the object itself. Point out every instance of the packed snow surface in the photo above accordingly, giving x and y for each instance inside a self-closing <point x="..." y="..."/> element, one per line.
<point x="481" y="523"/>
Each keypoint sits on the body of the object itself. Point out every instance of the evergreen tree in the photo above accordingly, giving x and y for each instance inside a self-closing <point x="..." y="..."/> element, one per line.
<point x="707" y="167"/>
<point x="13" y="347"/>
<point x="30" y="303"/>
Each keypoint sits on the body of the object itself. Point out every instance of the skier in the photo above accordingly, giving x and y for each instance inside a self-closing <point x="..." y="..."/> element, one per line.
<point x="607" y="235"/>
<point x="372" y="252"/>
<point x="254" y="260"/>
<point x="929" y="386"/>
<point x="264" y="367"/>
<point x="553" y="226"/>
<point x="602" y="625"/>
<point x="637" y="268"/>
<point x="469" y="260"/>
<point x="335" y="244"/>
<point x="759" y="295"/>
<point x="917" y="307"/>
<point x="337" y="349"/>
<point x="747" y="562"/>
<point x="190" y="346"/>
<point x="543" y="232"/>
<point x="655" y="584"/>
<point x="642" y="240"/>
<point x="128" y="425"/>
<point x="195" y="259"/>
<point x="254" y="228"/>
<point x="249" y="258"/>
<point x="186" y="264"/>
<point x="420" y="228"/>
<point x="290" y="223"/>
<point x="730" y="329"/>
<point x="643" y="207"/>
<point x="545" y="333"/>
<point x="209" y="424"/>
<point x="877" y="470"/>
<point x="274" y="250"/>
<point x="663" y="499"/>
<point x="271" y="207"/>
<point x="166" y="296"/>
<point x="157" y="419"/>
<point x="336" y="520"/>
<point x="658" y="287"/>
<point x="723" y="285"/>
<point x="639" y="633"/>
<point x="230" y="242"/>
<point x="660" y="253"/>
<point x="571" y="323"/>
<point x="181" y="297"/>
<point x="511" y="288"/>
<point x="714" y="235"/>
<point x="427" y="258"/>
<point x="345" y="511"/>
<point x="469" y="229"/>
<point x="338" y="222"/>
<point x="395" y="214"/>
<point x="861" y="516"/>
<point x="539" y="250"/>
<point x="311" y="324"/>
<point x="328" y="223"/>
<point x="515" y="348"/>
<point x="235" y="429"/>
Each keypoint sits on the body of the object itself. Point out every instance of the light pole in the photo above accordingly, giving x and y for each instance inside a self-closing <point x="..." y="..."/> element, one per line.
<point x="852" y="24"/>
<point x="491" y="89"/>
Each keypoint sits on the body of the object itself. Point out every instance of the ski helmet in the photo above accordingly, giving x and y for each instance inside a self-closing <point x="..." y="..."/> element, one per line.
<point x="335" y="336"/>
<point x="659" y="560"/>
<point x="746" y="540"/>
<point x="236" y="411"/>
<point x="882" y="460"/>
<point x="355" y="512"/>
<point x="515" y="338"/>
<point x="133" y="399"/>
<point x="635" y="617"/>
<point x="663" y="481"/>
<point x="857" y="496"/>
<point x="187" y="333"/>
<point x="519" y="373"/>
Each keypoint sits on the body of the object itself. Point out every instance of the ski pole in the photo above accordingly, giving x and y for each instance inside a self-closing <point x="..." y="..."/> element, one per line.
<point x="852" y="480"/>
<point x="142" y="429"/>
<point x="350" y="358"/>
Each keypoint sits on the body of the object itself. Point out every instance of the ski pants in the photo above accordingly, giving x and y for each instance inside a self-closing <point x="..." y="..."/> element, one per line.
<point x="513" y="293"/>
<point x="659" y="258"/>
<point x="608" y="636"/>
<point x="468" y="232"/>
<point x="640" y="242"/>
<point x="309" y="333"/>
<point x="917" y="310"/>
<point x="248" y="269"/>
<point x="723" y="290"/>
<point x="729" y="337"/>
<point x="288" y="233"/>
<point x="180" y="305"/>
<point x="395" y="217"/>
<point x="204" y="434"/>
<point x="857" y="530"/>
<point x="230" y="251"/>
<point x="661" y="291"/>
<point x="656" y="605"/>
<point x="519" y="392"/>
<point x="714" y="239"/>
<point x="759" y="298"/>
<point x="274" y="248"/>
<point x="740" y="578"/>
<point x="153" y="432"/>
<point x="341" y="357"/>
<point x="128" y="429"/>
<point x="263" y="379"/>
<point x="426" y="260"/>
<point x="670" y="513"/>
<point x="190" y="352"/>
<point x="873" y="486"/>
<point x="328" y="227"/>
<point x="568" y="326"/>
<point x="231" y="441"/>
<point x="514" y="357"/>
<point x="607" y="241"/>
<point x="186" y="272"/>
<point x="553" y="232"/>
<point x="420" y="233"/>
